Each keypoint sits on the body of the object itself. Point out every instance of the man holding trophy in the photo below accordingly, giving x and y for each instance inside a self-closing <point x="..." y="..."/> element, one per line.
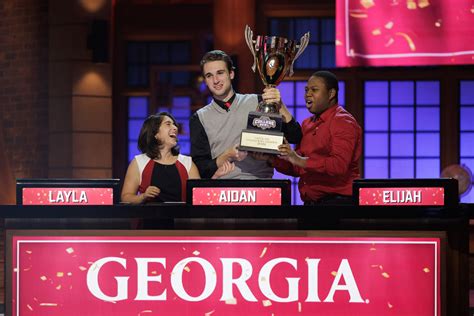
<point x="217" y="129"/>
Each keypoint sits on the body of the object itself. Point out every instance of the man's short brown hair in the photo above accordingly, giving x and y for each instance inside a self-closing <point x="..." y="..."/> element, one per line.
<point x="216" y="55"/>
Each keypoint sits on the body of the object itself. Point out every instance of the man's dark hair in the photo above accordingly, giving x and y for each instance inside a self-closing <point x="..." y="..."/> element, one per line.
<point x="330" y="80"/>
<point x="147" y="143"/>
<point x="216" y="55"/>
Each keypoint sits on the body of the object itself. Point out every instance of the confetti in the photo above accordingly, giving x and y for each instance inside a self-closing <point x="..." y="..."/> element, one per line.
<point x="367" y="3"/>
<point x="266" y="303"/>
<point x="408" y="39"/>
<point x="264" y="251"/>
<point x="389" y="25"/>
<point x="49" y="304"/>
<point x="58" y="287"/>
<point x="43" y="278"/>
<point x="389" y="305"/>
<point x="209" y="313"/>
<point x="334" y="273"/>
<point x="385" y="275"/>
<point x="82" y="268"/>
<point x="187" y="269"/>
<point x="29" y="307"/>
<point x="411" y="4"/>
<point x="376" y="32"/>
<point x="196" y="253"/>
<point x="426" y="270"/>
<point x="359" y="15"/>
<point x="231" y="301"/>
<point x="423" y="3"/>
<point x="69" y="250"/>
<point x="60" y="274"/>
<point x="144" y="312"/>
<point x="29" y="252"/>
<point x="299" y="307"/>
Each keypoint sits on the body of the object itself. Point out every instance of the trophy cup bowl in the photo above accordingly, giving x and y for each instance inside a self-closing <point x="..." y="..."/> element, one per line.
<point x="273" y="59"/>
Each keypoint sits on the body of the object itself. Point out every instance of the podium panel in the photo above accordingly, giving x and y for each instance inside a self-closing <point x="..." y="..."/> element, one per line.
<point x="225" y="273"/>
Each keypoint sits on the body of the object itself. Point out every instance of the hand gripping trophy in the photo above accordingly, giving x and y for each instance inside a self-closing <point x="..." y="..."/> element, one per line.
<point x="273" y="58"/>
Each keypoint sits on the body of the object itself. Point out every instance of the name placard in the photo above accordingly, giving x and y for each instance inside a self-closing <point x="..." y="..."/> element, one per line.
<point x="190" y="275"/>
<point x="236" y="196"/>
<point x="67" y="196"/>
<point x="409" y="196"/>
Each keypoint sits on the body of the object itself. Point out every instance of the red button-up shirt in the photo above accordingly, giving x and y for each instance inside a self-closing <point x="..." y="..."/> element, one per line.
<point x="332" y="143"/>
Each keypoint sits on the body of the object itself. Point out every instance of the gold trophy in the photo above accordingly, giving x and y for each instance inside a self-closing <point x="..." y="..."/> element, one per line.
<point x="273" y="57"/>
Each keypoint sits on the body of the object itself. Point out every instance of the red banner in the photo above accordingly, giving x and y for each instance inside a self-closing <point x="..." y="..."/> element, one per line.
<point x="404" y="32"/>
<point x="401" y="196"/>
<point x="236" y="196"/>
<point x="225" y="276"/>
<point x="68" y="196"/>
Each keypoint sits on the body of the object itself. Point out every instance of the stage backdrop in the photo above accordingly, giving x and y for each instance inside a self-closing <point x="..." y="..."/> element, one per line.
<point x="191" y="275"/>
<point x="404" y="32"/>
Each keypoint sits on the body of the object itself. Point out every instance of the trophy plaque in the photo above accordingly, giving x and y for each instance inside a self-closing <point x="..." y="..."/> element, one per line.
<point x="273" y="58"/>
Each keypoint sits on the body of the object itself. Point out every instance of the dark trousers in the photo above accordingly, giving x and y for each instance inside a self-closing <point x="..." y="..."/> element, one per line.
<point x="332" y="199"/>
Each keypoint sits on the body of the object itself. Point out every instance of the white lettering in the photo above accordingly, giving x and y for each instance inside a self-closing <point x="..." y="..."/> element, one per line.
<point x="266" y="288"/>
<point x="143" y="279"/>
<point x="177" y="279"/>
<point x="350" y="286"/>
<point x="313" y="266"/>
<point x="93" y="280"/>
<point x="240" y="282"/>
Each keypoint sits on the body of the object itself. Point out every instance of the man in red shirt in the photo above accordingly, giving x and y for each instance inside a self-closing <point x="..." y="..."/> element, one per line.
<point x="327" y="158"/>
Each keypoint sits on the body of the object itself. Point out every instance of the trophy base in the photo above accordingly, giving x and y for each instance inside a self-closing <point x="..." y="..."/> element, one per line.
<point x="260" y="141"/>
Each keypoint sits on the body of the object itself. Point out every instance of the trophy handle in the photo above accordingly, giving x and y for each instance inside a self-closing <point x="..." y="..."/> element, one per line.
<point x="301" y="47"/>
<point x="249" y="40"/>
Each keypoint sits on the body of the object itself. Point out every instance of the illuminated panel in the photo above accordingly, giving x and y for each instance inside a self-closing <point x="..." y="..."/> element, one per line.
<point x="237" y="196"/>
<point x="198" y="275"/>
<point x="67" y="196"/>
<point x="402" y="196"/>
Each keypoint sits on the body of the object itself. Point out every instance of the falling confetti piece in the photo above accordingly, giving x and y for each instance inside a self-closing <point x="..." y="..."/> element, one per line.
<point x="423" y="3"/>
<point x="69" y="250"/>
<point x="390" y="42"/>
<point x="49" y="304"/>
<point x="381" y="267"/>
<point x="209" y="313"/>
<point x="43" y="278"/>
<point x="29" y="307"/>
<point x="231" y="301"/>
<point x="358" y="15"/>
<point x="385" y="275"/>
<point x="186" y="268"/>
<point x="60" y="274"/>
<point x="264" y="251"/>
<point x="411" y="4"/>
<point x="29" y="252"/>
<point x="373" y="249"/>
<point x="82" y="268"/>
<point x="426" y="270"/>
<point x="299" y="307"/>
<point x="266" y="303"/>
<point x="389" y="305"/>
<point x="438" y="23"/>
<point x="389" y="25"/>
<point x="376" y="32"/>
<point x="367" y="3"/>
<point x="196" y="253"/>
<point x="408" y="39"/>
<point x="334" y="273"/>
<point x="58" y="287"/>
<point x="145" y="312"/>
<point x="69" y="274"/>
